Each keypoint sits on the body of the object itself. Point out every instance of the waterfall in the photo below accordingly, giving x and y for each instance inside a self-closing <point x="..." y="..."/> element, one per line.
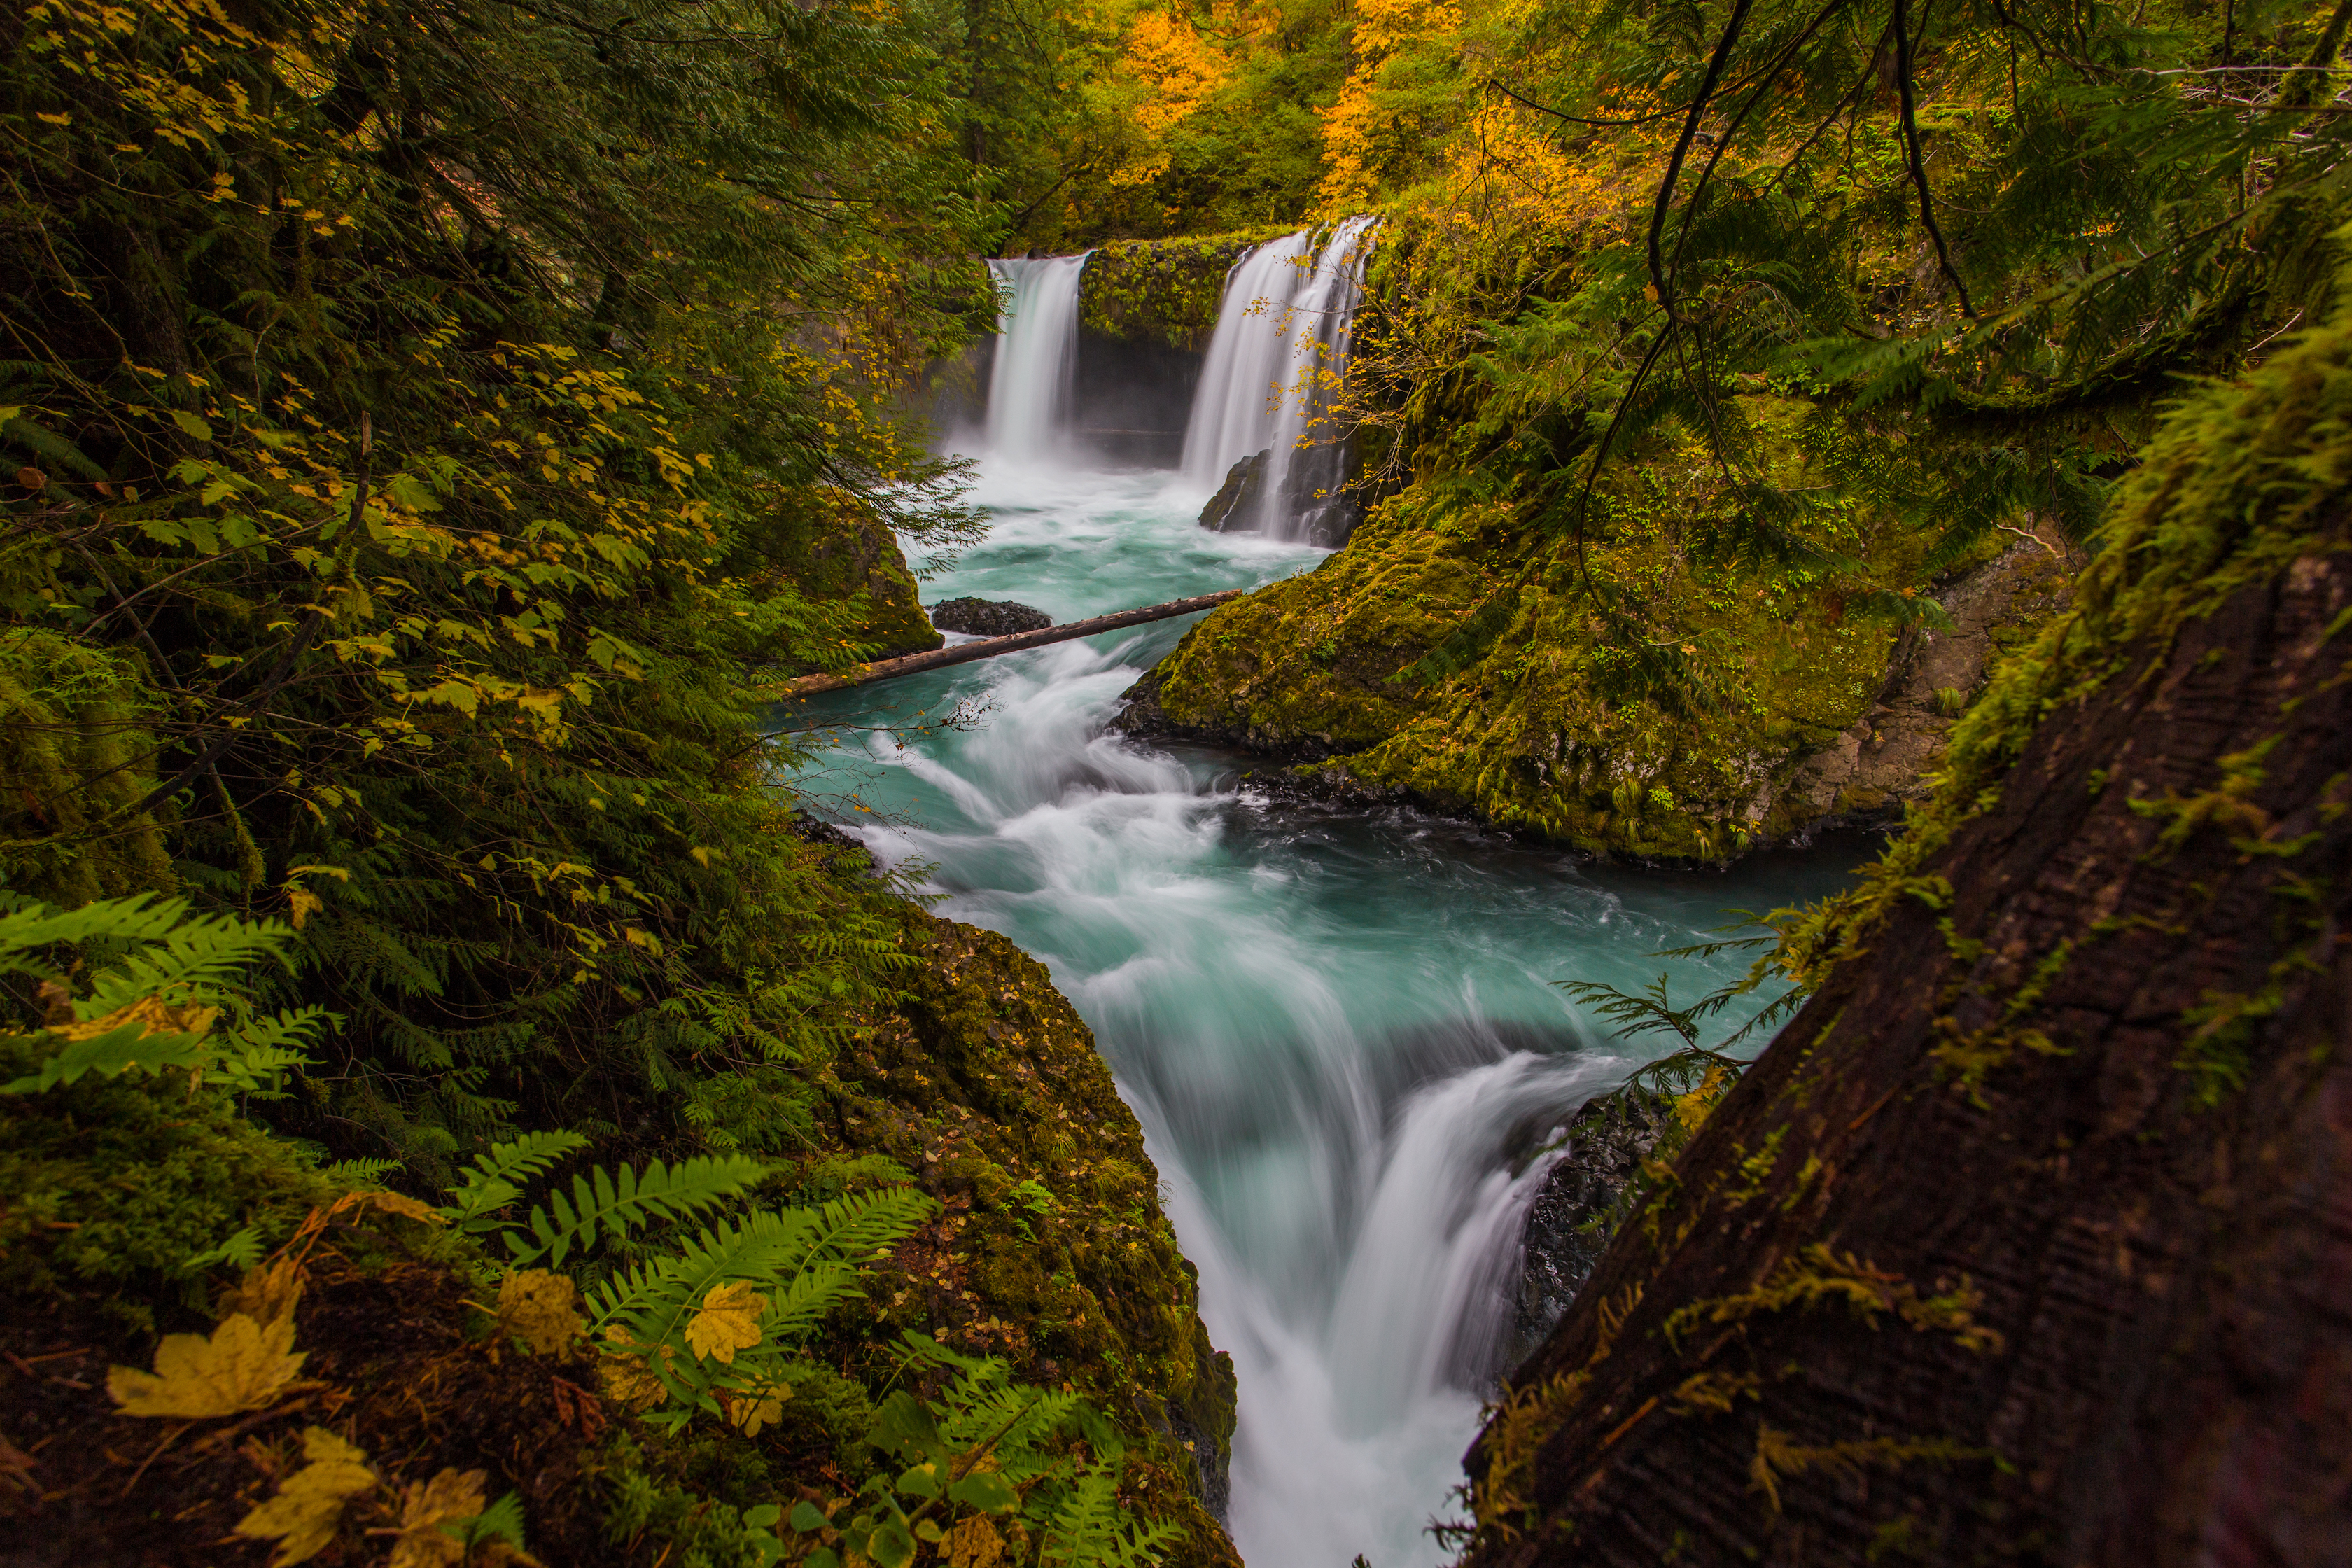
<point x="1339" y="1030"/>
<point x="1249" y="356"/>
<point x="1299" y="494"/>
<point x="1037" y="355"/>
<point x="1280" y="349"/>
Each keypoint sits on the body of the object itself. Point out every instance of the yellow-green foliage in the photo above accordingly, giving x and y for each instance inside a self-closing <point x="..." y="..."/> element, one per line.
<point x="2240" y="482"/>
<point x="76" y="756"/>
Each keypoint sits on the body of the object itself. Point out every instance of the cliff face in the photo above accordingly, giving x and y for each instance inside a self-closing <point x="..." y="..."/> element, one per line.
<point x="2028" y="1240"/>
<point x="1051" y="1249"/>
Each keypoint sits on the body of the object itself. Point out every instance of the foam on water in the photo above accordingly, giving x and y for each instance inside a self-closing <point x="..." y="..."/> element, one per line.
<point x="1341" y="1032"/>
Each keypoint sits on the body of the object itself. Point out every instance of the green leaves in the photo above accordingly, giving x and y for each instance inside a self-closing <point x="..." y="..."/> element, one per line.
<point x="164" y="984"/>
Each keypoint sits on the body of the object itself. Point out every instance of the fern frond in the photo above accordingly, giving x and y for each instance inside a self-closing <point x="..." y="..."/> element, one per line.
<point x="488" y="1184"/>
<point x="1090" y="1528"/>
<point x="632" y="1199"/>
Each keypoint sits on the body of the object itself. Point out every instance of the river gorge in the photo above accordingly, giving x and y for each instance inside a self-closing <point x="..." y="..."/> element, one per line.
<point x="1341" y="1027"/>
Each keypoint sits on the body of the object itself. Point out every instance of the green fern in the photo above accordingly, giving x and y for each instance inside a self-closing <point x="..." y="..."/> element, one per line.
<point x="1090" y="1526"/>
<point x="986" y="1446"/>
<point x="632" y="1199"/>
<point x="488" y="1184"/>
<point x="163" y="980"/>
<point x="807" y="1259"/>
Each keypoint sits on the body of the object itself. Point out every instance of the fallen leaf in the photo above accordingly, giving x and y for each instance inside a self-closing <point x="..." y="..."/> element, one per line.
<point x="450" y="1497"/>
<point x="627" y="1375"/>
<point x="243" y="1366"/>
<point x="302" y="1518"/>
<point x="761" y="1405"/>
<point x="268" y="1292"/>
<point x="157" y="1016"/>
<point x="974" y="1543"/>
<point x="728" y="1322"/>
<point x="541" y="1309"/>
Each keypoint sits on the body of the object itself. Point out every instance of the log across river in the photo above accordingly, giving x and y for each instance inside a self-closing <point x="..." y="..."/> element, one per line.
<point x="989" y="648"/>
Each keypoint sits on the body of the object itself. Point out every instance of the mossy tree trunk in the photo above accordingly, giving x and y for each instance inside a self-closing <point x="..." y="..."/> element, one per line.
<point x="2030" y="1240"/>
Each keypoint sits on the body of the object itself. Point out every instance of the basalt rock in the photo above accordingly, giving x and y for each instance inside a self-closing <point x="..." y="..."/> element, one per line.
<point x="1234" y="507"/>
<point x="988" y="617"/>
<point x="1573" y="1217"/>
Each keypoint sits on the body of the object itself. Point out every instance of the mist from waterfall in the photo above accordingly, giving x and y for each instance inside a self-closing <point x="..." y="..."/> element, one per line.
<point x="1339" y="1030"/>
<point x="1031" y="385"/>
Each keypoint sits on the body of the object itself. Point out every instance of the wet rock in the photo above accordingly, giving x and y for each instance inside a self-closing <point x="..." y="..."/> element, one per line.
<point x="1888" y="758"/>
<point x="1572" y="1218"/>
<point x="988" y="617"/>
<point x="1234" y="507"/>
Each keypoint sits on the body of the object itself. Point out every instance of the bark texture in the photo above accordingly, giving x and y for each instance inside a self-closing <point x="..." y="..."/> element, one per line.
<point x="2029" y="1239"/>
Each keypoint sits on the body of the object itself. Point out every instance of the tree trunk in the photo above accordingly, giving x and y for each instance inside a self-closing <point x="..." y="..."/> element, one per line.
<point x="2029" y="1239"/>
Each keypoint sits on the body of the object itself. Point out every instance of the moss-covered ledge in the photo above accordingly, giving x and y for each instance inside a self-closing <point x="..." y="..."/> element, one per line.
<point x="1163" y="291"/>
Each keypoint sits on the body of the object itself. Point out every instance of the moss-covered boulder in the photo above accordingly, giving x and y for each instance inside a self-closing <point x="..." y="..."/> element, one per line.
<point x="1452" y="656"/>
<point x="854" y="560"/>
<point x="1051" y="1249"/>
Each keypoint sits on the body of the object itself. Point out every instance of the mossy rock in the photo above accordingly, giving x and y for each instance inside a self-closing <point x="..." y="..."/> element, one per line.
<point x="1451" y="656"/>
<point x="857" y="560"/>
<point x="1051" y="1249"/>
<point x="1161" y="290"/>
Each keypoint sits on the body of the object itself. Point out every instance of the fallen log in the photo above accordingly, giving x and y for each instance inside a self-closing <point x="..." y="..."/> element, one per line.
<point x="989" y="647"/>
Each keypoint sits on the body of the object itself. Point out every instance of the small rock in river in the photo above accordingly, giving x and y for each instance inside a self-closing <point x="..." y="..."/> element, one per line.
<point x="988" y="617"/>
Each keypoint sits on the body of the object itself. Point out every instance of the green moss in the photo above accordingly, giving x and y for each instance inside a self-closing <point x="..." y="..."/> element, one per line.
<point x="1161" y="290"/>
<point x="857" y="560"/>
<point x="1529" y="724"/>
<point x="111" y="1184"/>
<point x="1051" y="1248"/>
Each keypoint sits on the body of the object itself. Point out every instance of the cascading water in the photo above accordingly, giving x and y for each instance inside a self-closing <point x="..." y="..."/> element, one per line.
<point x="1037" y="355"/>
<point x="1280" y="347"/>
<point x="1248" y="357"/>
<point x="1340" y="1030"/>
<point x="1300" y="497"/>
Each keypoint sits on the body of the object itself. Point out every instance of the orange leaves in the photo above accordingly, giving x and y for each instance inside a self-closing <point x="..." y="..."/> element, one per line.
<point x="1176" y="73"/>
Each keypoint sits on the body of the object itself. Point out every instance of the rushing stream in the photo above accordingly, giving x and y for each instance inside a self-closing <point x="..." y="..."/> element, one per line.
<point x="1340" y="1029"/>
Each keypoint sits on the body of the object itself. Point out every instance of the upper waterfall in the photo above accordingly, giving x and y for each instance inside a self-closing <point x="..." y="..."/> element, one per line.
<point x="1280" y="351"/>
<point x="1030" y="385"/>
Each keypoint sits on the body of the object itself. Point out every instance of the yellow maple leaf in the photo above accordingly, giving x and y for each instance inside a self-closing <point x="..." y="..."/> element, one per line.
<point x="627" y="1375"/>
<point x="541" y="1309"/>
<point x="974" y="1543"/>
<point x="448" y="1498"/>
<point x="303" y="1516"/>
<point x="157" y="1016"/>
<point x="243" y="1366"/>
<point x="267" y="1294"/>
<point x="728" y="1322"/>
<point x="757" y="1406"/>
